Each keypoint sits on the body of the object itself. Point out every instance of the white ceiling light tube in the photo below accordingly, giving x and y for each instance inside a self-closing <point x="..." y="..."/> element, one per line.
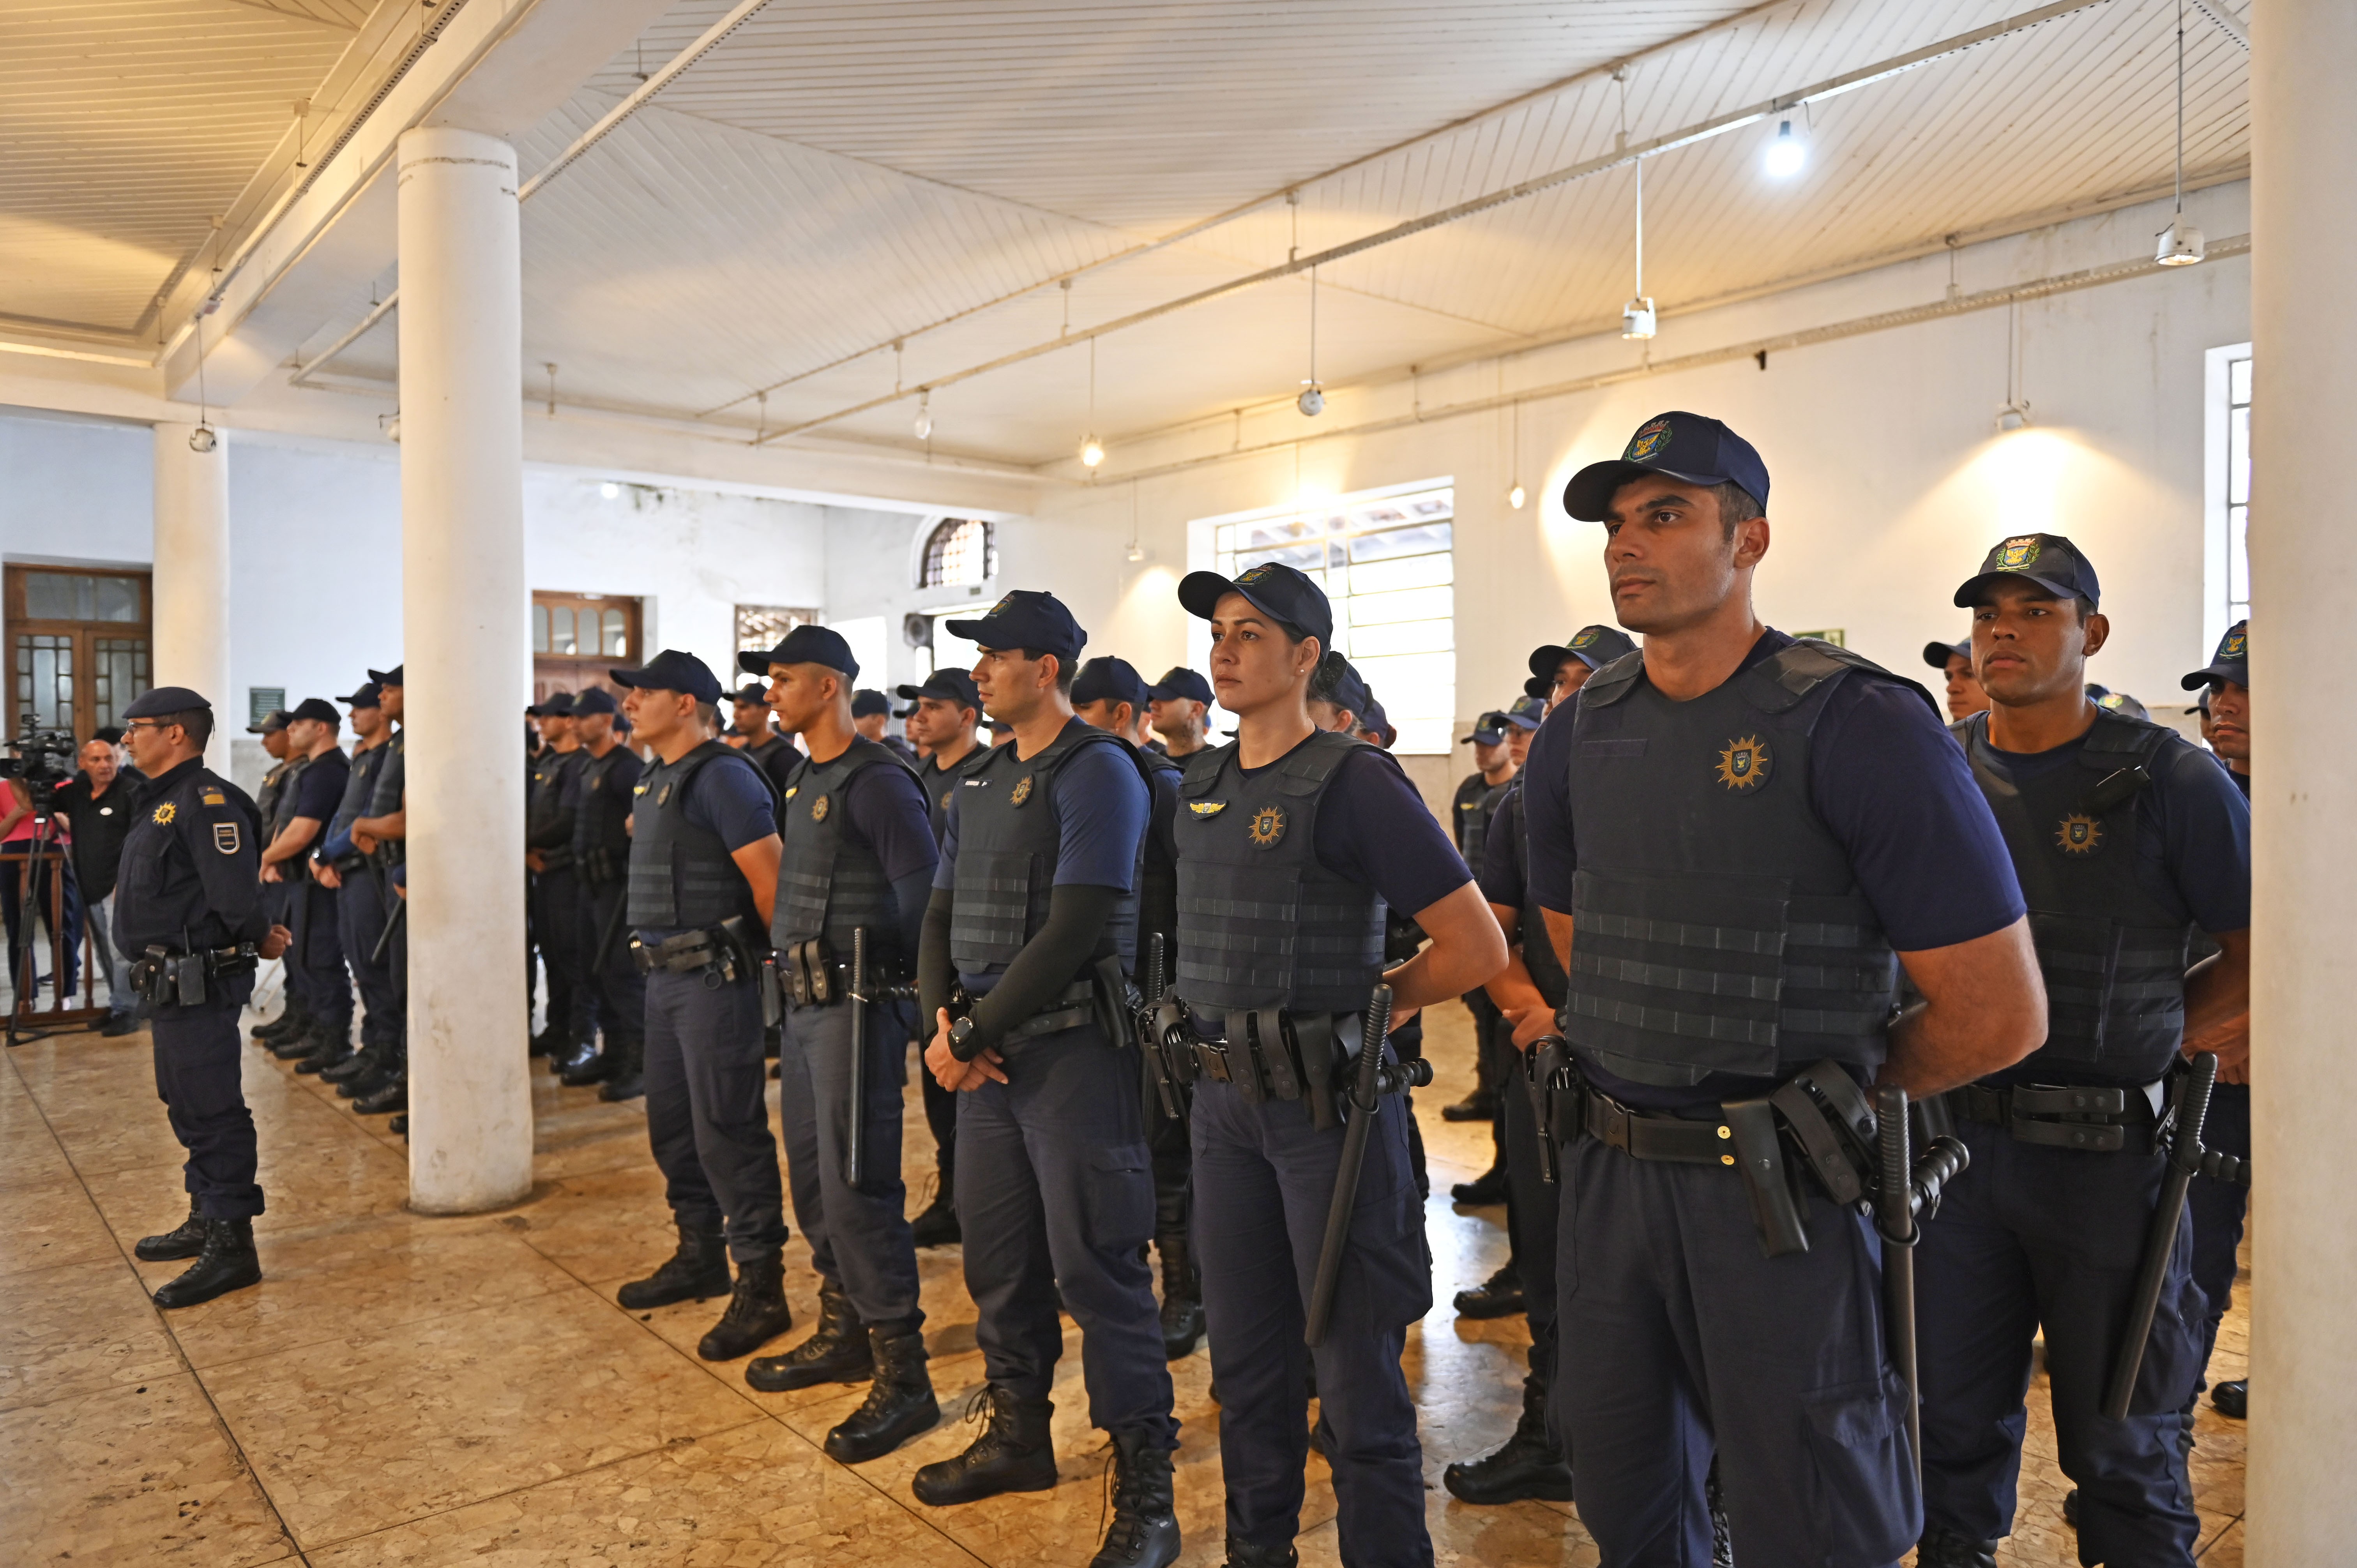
<point x="2179" y="245"/>
<point x="1787" y="153"/>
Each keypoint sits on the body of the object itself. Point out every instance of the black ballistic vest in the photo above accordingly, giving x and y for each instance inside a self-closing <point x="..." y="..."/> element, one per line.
<point x="1717" y="926"/>
<point x="601" y="814"/>
<point x="2112" y="953"/>
<point x="682" y="875"/>
<point x="1008" y="838"/>
<point x="1472" y="817"/>
<point x="939" y="785"/>
<point x="544" y="824"/>
<point x="1530" y="926"/>
<point x="1261" y="922"/>
<point x="830" y="880"/>
<point x="1158" y="887"/>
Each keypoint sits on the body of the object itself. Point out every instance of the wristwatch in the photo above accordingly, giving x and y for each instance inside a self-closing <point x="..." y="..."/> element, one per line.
<point x="960" y="1032"/>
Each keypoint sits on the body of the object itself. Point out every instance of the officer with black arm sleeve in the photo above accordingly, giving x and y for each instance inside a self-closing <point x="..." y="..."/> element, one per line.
<point x="2126" y="839"/>
<point x="614" y="994"/>
<point x="188" y="910"/>
<point x="1292" y="842"/>
<point x="1730" y="839"/>
<point x="1030" y="936"/>
<point x="703" y="877"/>
<point x="854" y="879"/>
<point x="555" y="883"/>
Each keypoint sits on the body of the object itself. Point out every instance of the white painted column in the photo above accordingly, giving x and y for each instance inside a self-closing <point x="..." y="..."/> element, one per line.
<point x="191" y="579"/>
<point x="463" y="617"/>
<point x="2302" y="1490"/>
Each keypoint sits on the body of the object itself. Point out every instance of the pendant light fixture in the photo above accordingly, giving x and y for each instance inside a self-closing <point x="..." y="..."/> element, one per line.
<point x="1787" y="154"/>
<point x="1091" y="449"/>
<point x="1312" y="400"/>
<point x="2181" y="244"/>
<point x="1515" y="494"/>
<point x="1637" y="318"/>
<point x="925" y="414"/>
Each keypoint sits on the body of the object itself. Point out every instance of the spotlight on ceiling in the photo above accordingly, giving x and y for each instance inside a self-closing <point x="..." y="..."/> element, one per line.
<point x="609" y="489"/>
<point x="924" y="416"/>
<point x="1516" y="496"/>
<point x="1091" y="452"/>
<point x="1637" y="319"/>
<point x="1312" y="400"/>
<point x="2180" y="245"/>
<point x="1787" y="154"/>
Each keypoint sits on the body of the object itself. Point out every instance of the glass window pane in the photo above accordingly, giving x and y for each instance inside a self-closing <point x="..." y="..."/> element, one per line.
<point x="2239" y="377"/>
<point x="1411" y="540"/>
<point x="1410" y="604"/>
<point x="118" y="598"/>
<point x="560" y="629"/>
<point x="1407" y="571"/>
<point x="540" y="628"/>
<point x="2238" y="457"/>
<point x="1409" y="637"/>
<point x="119" y="673"/>
<point x="1309" y="558"/>
<point x="616" y="643"/>
<point x="2238" y="553"/>
<point x="48" y="595"/>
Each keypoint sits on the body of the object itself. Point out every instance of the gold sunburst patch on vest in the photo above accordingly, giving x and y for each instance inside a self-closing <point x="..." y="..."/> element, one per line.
<point x="164" y="813"/>
<point x="663" y="796"/>
<point x="1021" y="792"/>
<point x="1267" y="827"/>
<point x="2078" y="833"/>
<point x="818" y="810"/>
<point x="1743" y="764"/>
<point x="1207" y="808"/>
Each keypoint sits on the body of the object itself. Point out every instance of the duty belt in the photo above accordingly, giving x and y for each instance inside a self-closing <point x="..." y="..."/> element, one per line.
<point x="165" y="977"/>
<point x="804" y="974"/>
<point x="1068" y="1009"/>
<point x="1269" y="1053"/>
<point x="2097" y="1119"/>
<point x="722" y="954"/>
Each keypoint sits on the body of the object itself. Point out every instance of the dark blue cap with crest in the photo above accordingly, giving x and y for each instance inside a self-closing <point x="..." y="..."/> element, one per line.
<point x="1675" y="445"/>
<point x="1024" y="618"/>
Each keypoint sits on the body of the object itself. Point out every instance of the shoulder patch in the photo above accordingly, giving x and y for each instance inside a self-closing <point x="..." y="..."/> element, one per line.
<point x="214" y="797"/>
<point x="164" y="814"/>
<point x="225" y="837"/>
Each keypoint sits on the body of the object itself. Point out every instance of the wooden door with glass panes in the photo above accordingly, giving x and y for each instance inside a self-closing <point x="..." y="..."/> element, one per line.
<point x="576" y="637"/>
<point x="79" y="643"/>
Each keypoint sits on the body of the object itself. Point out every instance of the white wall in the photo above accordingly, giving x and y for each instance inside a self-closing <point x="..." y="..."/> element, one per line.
<point x="76" y="491"/>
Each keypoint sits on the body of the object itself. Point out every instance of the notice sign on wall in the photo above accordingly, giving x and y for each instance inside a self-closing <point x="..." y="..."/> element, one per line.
<point x="261" y="702"/>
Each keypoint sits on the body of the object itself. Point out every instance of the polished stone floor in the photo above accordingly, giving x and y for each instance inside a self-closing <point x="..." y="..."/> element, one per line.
<point x="403" y="1390"/>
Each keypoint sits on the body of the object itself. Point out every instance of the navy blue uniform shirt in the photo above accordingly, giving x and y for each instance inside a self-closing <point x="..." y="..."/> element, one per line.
<point x="1503" y="872"/>
<point x="1891" y="785"/>
<point x="392" y="777"/>
<point x="319" y="789"/>
<point x="190" y="878"/>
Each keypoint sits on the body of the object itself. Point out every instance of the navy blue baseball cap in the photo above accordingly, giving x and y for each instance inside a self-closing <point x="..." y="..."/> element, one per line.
<point x="1937" y="654"/>
<point x="1179" y="682"/>
<point x="1337" y="682"/>
<point x="1490" y="729"/>
<point x="805" y="645"/>
<point x="271" y="723"/>
<point x="1374" y="721"/>
<point x="317" y="708"/>
<point x="1594" y="646"/>
<point x="1675" y="445"/>
<point x="595" y="699"/>
<point x="1106" y="679"/>
<point x="1288" y="597"/>
<point x="1024" y="618"/>
<point x="751" y="691"/>
<point x="867" y="704"/>
<point x="672" y="671"/>
<point x="2231" y="663"/>
<point x="2048" y="560"/>
<point x="166" y="700"/>
<point x="555" y="706"/>
<point x="948" y="685"/>
<point x="368" y="695"/>
<point x="386" y="677"/>
<point x="1528" y="713"/>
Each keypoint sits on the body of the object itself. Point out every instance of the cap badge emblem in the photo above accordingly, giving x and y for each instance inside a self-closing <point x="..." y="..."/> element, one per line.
<point x="1743" y="764"/>
<point x="2079" y="834"/>
<point x="2017" y="552"/>
<point x="1021" y="792"/>
<point x="1207" y="808"/>
<point x="1267" y="827"/>
<point x="2237" y="646"/>
<point x="1258" y="573"/>
<point x="1648" y="441"/>
<point x="1587" y="636"/>
<point x="225" y="837"/>
<point x="164" y="814"/>
<point x="818" y="810"/>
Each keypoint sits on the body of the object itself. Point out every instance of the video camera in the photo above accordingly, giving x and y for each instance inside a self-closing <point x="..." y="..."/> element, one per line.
<point x="43" y="759"/>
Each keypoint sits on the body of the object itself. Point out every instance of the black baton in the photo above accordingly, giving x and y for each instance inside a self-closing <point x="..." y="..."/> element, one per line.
<point x="1895" y="1217"/>
<point x="1365" y="1095"/>
<point x="2184" y="1163"/>
<point x="854" y="1146"/>
<point x="606" y="939"/>
<point x="1149" y="1038"/>
<point x="392" y="925"/>
<point x="1539" y="1065"/>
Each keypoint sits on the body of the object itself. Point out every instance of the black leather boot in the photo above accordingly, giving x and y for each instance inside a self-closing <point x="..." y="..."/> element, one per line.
<point x="1487" y="1189"/>
<point x="937" y="1225"/>
<point x="1943" y="1547"/>
<point x="836" y="1351"/>
<point x="899" y="1403"/>
<point x="629" y="1075"/>
<point x="697" y="1272"/>
<point x="393" y="1095"/>
<point x="757" y="1311"/>
<point x="1500" y="1295"/>
<point x="1480" y="1105"/>
<point x="1244" y="1555"/>
<point x="2233" y="1399"/>
<point x="384" y="1068"/>
<point x="1182" y="1298"/>
<point x="359" y="1064"/>
<point x="1529" y="1465"/>
<point x="1014" y="1454"/>
<point x="185" y="1242"/>
<point x="1145" y="1528"/>
<point x="331" y="1046"/>
<point x="293" y="1019"/>
<point x="582" y="1064"/>
<point x="228" y="1263"/>
<point x="296" y="1045"/>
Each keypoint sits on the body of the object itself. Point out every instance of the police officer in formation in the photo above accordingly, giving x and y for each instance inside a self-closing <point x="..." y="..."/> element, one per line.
<point x="1469" y="817"/>
<point x="1028" y="943"/>
<point x="614" y="994"/>
<point x="854" y="879"/>
<point x="1955" y="663"/>
<point x="759" y="738"/>
<point x="2124" y="838"/>
<point x="2218" y="1205"/>
<point x="1735" y="839"/>
<point x="1178" y="709"/>
<point x="1292" y="842"/>
<point x="556" y="898"/>
<point x="703" y="877"/>
<point x="946" y="712"/>
<point x="315" y="960"/>
<point x="1528" y="992"/>
<point x="359" y="869"/>
<point x="188" y="908"/>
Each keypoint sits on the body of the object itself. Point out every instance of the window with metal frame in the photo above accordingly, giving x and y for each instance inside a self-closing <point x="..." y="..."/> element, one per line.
<point x="959" y="551"/>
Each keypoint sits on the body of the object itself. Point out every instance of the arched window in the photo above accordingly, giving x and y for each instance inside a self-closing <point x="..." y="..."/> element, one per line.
<point x="960" y="551"/>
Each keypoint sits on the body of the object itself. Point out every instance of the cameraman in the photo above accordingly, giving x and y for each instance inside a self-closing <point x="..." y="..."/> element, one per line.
<point x="23" y="823"/>
<point x="100" y="814"/>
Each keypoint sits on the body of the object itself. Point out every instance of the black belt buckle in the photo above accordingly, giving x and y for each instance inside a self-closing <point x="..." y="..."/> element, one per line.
<point x="1212" y="1059"/>
<point x="1616" y="1119"/>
